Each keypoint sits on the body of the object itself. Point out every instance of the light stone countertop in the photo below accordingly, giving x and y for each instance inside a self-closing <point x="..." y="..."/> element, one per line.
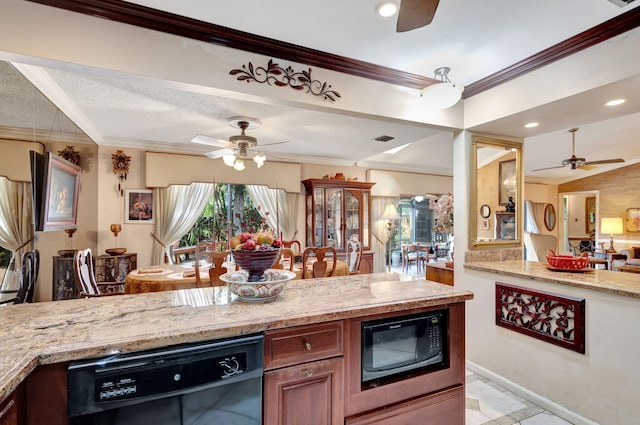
<point x="618" y="283"/>
<point x="59" y="331"/>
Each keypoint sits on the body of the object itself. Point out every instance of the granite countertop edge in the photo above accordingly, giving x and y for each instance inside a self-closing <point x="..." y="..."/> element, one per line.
<point x="611" y="282"/>
<point x="62" y="338"/>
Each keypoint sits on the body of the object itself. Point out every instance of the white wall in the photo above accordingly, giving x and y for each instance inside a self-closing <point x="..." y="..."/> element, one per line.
<point x="603" y="384"/>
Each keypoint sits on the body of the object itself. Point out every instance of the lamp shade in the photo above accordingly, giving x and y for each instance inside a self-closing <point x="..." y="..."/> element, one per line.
<point x="390" y="213"/>
<point x="611" y="225"/>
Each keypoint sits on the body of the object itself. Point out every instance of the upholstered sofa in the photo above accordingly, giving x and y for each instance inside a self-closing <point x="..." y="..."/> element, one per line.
<point x="633" y="257"/>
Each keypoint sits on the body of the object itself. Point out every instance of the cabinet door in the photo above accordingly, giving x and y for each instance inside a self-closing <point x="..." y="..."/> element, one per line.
<point x="9" y="411"/>
<point x="334" y="218"/>
<point x="319" y="231"/>
<point x="352" y="214"/>
<point x="310" y="394"/>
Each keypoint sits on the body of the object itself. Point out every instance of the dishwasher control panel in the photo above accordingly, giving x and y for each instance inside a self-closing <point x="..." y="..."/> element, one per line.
<point x="166" y="375"/>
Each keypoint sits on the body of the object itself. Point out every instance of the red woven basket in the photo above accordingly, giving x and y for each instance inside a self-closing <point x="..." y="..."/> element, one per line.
<point x="567" y="262"/>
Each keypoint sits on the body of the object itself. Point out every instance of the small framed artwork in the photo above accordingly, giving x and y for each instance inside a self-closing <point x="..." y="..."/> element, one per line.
<point x="484" y="224"/>
<point x="633" y="219"/>
<point x="507" y="183"/>
<point x="138" y="206"/>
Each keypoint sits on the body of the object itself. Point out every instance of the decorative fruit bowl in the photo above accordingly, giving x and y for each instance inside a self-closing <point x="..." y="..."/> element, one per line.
<point x="255" y="262"/>
<point x="269" y="288"/>
<point x="567" y="262"/>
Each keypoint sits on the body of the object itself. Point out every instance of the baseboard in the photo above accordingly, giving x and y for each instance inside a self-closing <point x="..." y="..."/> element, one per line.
<point x="536" y="398"/>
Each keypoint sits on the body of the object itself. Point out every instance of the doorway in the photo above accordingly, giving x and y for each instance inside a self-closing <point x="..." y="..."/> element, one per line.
<point x="580" y="215"/>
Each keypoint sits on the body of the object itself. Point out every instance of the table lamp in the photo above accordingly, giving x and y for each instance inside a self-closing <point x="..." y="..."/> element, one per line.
<point x="390" y="215"/>
<point x="613" y="226"/>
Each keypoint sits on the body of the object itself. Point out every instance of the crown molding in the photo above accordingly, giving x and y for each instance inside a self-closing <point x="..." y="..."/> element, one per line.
<point x="146" y="17"/>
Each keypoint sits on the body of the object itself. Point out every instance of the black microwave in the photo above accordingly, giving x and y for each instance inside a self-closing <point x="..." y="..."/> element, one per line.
<point x="399" y="346"/>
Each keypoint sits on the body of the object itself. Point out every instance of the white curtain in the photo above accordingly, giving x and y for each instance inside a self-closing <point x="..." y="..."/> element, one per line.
<point x="16" y="225"/>
<point x="379" y="231"/>
<point x="281" y="206"/>
<point x="177" y="209"/>
<point x="534" y="216"/>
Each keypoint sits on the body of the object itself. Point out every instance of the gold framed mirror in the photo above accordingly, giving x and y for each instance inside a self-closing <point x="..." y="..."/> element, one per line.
<point x="549" y="217"/>
<point x="495" y="182"/>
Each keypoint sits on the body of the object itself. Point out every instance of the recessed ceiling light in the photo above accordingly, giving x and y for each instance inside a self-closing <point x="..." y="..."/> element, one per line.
<point x="398" y="149"/>
<point x="531" y="125"/>
<point x="615" y="102"/>
<point x="387" y="9"/>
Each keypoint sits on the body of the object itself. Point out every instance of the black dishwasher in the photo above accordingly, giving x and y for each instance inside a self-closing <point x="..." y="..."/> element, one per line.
<point x="216" y="382"/>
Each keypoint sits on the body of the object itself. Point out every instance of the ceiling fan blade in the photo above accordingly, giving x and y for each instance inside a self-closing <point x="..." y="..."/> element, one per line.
<point x="276" y="143"/>
<point x="586" y="167"/>
<point x="548" y="168"/>
<point x="210" y="141"/>
<point x="415" y="14"/>
<point x="604" y="161"/>
<point x="218" y="153"/>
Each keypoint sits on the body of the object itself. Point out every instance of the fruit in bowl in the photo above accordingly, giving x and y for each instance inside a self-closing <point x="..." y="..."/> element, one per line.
<point x="261" y="241"/>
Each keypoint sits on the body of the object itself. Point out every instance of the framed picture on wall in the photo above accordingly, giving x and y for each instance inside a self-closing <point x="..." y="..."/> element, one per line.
<point x="507" y="182"/>
<point x="590" y="214"/>
<point x="138" y="206"/>
<point x="633" y="219"/>
<point x="484" y="224"/>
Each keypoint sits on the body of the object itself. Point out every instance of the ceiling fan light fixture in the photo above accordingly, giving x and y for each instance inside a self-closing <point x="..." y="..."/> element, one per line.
<point x="229" y="159"/>
<point x="445" y="93"/>
<point x="387" y="9"/>
<point x="239" y="165"/>
<point x="259" y="160"/>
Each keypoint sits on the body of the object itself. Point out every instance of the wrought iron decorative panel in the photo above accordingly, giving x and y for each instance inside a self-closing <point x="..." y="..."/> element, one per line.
<point x="553" y="318"/>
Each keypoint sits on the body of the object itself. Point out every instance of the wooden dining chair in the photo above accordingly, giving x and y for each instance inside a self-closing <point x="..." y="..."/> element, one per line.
<point x="321" y="267"/>
<point x="26" y="280"/>
<point x="86" y="278"/>
<point x="285" y="254"/>
<point x="216" y="259"/>
<point x="409" y="256"/>
<point x="294" y="245"/>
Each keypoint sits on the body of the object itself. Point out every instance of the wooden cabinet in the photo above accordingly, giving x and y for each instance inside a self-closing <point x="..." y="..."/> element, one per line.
<point x="336" y="210"/>
<point x="12" y="408"/>
<point x="309" y="393"/>
<point x="64" y="280"/>
<point x="114" y="268"/>
<point x="303" y="379"/>
<point x="438" y="272"/>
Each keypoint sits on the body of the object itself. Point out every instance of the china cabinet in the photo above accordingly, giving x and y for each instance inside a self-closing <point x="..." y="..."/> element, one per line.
<point x="337" y="210"/>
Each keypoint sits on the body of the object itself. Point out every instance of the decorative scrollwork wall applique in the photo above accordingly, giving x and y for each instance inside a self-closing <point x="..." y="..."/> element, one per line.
<point x="557" y="319"/>
<point x="70" y="154"/>
<point x="282" y="77"/>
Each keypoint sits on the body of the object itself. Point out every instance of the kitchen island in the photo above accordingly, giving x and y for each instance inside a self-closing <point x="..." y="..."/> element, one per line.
<point x="596" y="385"/>
<point x="39" y="335"/>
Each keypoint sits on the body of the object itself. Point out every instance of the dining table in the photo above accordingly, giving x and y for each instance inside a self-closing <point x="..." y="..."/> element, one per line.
<point x="164" y="277"/>
<point x="171" y="277"/>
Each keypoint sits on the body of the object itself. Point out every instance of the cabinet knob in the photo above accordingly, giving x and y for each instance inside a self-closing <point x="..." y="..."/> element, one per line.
<point x="307" y="346"/>
<point x="307" y="373"/>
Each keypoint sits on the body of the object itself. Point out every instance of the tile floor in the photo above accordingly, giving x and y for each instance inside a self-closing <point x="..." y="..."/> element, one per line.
<point x="490" y="404"/>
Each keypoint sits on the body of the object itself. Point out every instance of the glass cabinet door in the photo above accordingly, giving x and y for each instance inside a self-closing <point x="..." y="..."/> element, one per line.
<point x="318" y="213"/>
<point x="352" y="215"/>
<point x="334" y="218"/>
<point x="365" y="219"/>
<point x="309" y="221"/>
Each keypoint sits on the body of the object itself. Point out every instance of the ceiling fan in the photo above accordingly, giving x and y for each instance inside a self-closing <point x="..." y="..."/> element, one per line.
<point x="580" y="163"/>
<point x="415" y="14"/>
<point x="239" y="147"/>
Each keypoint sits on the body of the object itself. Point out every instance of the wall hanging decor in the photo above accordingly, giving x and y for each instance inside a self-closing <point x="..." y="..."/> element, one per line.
<point x="120" y="167"/>
<point x="282" y="77"/>
<point x="70" y="154"/>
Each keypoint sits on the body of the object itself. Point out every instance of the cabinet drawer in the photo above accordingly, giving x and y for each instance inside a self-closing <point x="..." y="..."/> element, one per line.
<point x="302" y="344"/>
<point x="443" y="408"/>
